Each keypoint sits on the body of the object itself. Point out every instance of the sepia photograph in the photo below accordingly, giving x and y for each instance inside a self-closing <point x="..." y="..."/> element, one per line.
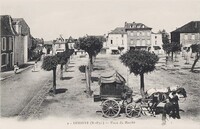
<point x="85" y="64"/>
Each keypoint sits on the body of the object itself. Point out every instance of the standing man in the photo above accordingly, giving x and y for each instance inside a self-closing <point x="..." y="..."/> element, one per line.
<point x="173" y="98"/>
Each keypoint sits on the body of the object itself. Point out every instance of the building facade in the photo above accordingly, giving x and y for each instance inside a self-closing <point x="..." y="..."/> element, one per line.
<point x="156" y="43"/>
<point x="59" y="45"/>
<point x="70" y="43"/>
<point x="138" y="36"/>
<point x="116" y="39"/>
<point x="7" y="37"/>
<point x="23" y="42"/>
<point x="188" y="34"/>
<point x="131" y="36"/>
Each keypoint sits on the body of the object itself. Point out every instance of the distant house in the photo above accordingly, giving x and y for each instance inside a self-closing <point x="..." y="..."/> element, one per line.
<point x="156" y="43"/>
<point x="187" y="34"/>
<point x="7" y="43"/>
<point x="117" y="39"/>
<point x="59" y="45"/>
<point x="48" y="47"/>
<point x="70" y="43"/>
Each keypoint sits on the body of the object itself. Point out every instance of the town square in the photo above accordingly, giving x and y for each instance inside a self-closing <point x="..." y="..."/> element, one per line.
<point x="100" y="63"/>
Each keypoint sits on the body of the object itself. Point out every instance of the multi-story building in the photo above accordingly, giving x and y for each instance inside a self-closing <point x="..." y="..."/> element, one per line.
<point x="117" y="39"/>
<point x="138" y="36"/>
<point x="7" y="43"/>
<point x="131" y="36"/>
<point x="156" y="43"/>
<point x="188" y="34"/>
<point x="23" y="42"/>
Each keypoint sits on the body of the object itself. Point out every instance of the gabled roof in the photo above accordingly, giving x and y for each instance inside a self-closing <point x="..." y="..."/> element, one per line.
<point x="136" y="26"/>
<point x="118" y="30"/>
<point x="191" y="27"/>
<point x="70" y="40"/>
<point x="6" y="26"/>
<point x="25" y="28"/>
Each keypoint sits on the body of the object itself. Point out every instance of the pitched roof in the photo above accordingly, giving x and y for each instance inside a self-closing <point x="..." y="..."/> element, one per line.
<point x="136" y="26"/>
<point x="25" y="28"/>
<point x="70" y="40"/>
<point x="118" y="30"/>
<point x="191" y="27"/>
<point x="6" y="25"/>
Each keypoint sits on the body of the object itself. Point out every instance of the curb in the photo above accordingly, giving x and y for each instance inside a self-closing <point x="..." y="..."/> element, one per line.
<point x="2" y="79"/>
<point x="34" y="104"/>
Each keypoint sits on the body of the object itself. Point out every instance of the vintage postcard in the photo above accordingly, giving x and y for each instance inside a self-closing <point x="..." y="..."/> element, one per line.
<point x="100" y="63"/>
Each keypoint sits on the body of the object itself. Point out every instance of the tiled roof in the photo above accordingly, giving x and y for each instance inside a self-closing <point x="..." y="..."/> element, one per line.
<point x="191" y="27"/>
<point x="22" y="22"/>
<point x="6" y="25"/>
<point x="118" y="30"/>
<point x="135" y="26"/>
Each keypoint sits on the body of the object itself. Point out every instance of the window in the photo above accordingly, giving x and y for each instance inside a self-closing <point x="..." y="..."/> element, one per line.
<point x="148" y="41"/>
<point x="143" y="42"/>
<point x="138" y="33"/>
<point x="111" y="41"/>
<point x="131" y="41"/>
<point x="10" y="43"/>
<point x="155" y="42"/>
<point x="193" y="36"/>
<point x="122" y="42"/>
<point x="3" y="59"/>
<point x="122" y="35"/>
<point x="186" y="37"/>
<point x="3" y="45"/>
<point x="131" y="33"/>
<point x="138" y="42"/>
<point x="155" y="37"/>
<point x="148" y="33"/>
<point x="59" y="46"/>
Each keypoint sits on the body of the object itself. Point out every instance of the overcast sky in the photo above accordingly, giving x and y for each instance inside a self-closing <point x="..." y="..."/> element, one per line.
<point x="50" y="18"/>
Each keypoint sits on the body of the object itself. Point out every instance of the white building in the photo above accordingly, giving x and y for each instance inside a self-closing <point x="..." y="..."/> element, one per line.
<point x="156" y="43"/>
<point x="59" y="45"/>
<point x="117" y="39"/>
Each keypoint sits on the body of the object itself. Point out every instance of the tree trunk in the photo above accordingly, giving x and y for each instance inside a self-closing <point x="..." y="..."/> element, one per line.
<point x="172" y="56"/>
<point x="88" y="81"/>
<point x="142" y="85"/>
<point x="61" y="71"/>
<point x="195" y="61"/>
<point x="66" y="65"/>
<point x="54" y="80"/>
<point x="176" y="56"/>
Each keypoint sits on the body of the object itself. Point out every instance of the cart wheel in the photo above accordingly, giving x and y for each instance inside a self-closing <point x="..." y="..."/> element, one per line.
<point x="110" y="108"/>
<point x="133" y="110"/>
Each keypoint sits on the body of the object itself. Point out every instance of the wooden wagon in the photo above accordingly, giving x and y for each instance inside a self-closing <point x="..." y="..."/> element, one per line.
<point x="115" y="96"/>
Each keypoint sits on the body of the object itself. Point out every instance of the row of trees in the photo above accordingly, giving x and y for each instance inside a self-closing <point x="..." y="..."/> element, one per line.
<point x="91" y="44"/>
<point x="51" y="63"/>
<point x="175" y="47"/>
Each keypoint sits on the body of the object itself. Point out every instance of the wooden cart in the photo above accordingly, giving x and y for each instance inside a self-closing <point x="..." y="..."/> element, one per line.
<point x="115" y="96"/>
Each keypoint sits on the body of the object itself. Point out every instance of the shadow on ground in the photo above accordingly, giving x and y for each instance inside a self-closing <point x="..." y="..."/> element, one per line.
<point x="98" y="68"/>
<point x="67" y="78"/>
<point x="58" y="91"/>
<point x="96" y="79"/>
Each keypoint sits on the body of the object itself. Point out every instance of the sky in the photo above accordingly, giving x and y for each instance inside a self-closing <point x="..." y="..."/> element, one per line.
<point x="48" y="19"/>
